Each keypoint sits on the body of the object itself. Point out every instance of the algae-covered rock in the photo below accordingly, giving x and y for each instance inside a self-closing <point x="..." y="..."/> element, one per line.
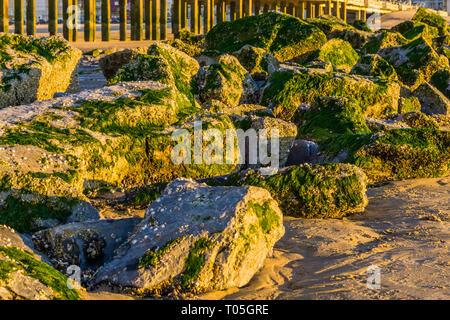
<point x="35" y="68"/>
<point x="86" y="244"/>
<point x="289" y="89"/>
<point x="361" y="25"/>
<point x="284" y="36"/>
<point x="417" y="119"/>
<point x="190" y="49"/>
<point x="332" y="115"/>
<point x="408" y="104"/>
<point x="227" y="81"/>
<point x="431" y="99"/>
<point x="376" y="66"/>
<point x="287" y="131"/>
<point x="216" y="238"/>
<point x="414" y="62"/>
<point x="336" y="51"/>
<point x="317" y="191"/>
<point x="329" y="24"/>
<point x="23" y="274"/>
<point x="441" y="80"/>
<point x="395" y="154"/>
<point x="302" y="151"/>
<point x="257" y="61"/>
<point x="383" y="39"/>
<point x="413" y="29"/>
<point x="431" y="19"/>
<point x="356" y="38"/>
<point x="111" y="63"/>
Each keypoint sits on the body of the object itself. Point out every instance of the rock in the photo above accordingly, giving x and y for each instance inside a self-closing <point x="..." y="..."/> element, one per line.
<point x="257" y="62"/>
<point x="332" y="115"/>
<point x="36" y="68"/>
<point x="408" y="104"/>
<point x="338" y="52"/>
<point x="111" y="63"/>
<point x="228" y="82"/>
<point x="23" y="274"/>
<point x="396" y="154"/>
<point x="190" y="49"/>
<point x="381" y="40"/>
<point x="356" y="38"/>
<point x="329" y="24"/>
<point x="431" y="99"/>
<point x="361" y="25"/>
<point x="302" y="151"/>
<point x="87" y="245"/>
<point x="242" y="111"/>
<point x="415" y="62"/>
<point x="312" y="191"/>
<point x="287" y="131"/>
<point x="83" y="211"/>
<point x="375" y="66"/>
<point x="441" y="80"/>
<point x="417" y="119"/>
<point x="412" y="30"/>
<point x="284" y="36"/>
<point x="432" y="19"/>
<point x="216" y="238"/>
<point x="376" y="125"/>
<point x="287" y="90"/>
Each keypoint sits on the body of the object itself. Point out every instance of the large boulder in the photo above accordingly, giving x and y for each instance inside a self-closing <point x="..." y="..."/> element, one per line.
<point x="395" y="154"/>
<point x="88" y="245"/>
<point x="257" y="61"/>
<point x="287" y="90"/>
<point x="111" y="63"/>
<point x="431" y="99"/>
<point x="374" y="65"/>
<point x="35" y="68"/>
<point x="413" y="29"/>
<point x="337" y="52"/>
<point x="441" y="80"/>
<point x="332" y="115"/>
<point x="331" y="190"/>
<point x="381" y="40"/>
<point x="228" y="82"/>
<point x="415" y="62"/>
<point x="284" y="36"/>
<point x="23" y="274"/>
<point x="216" y="238"/>
<point x="431" y="19"/>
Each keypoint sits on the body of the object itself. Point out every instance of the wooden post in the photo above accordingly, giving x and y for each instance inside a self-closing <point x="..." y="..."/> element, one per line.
<point x="137" y="20"/>
<point x="18" y="16"/>
<point x="206" y="16"/>
<point x="302" y="10"/>
<point x="266" y="8"/>
<point x="337" y="9"/>
<point x="123" y="19"/>
<point x="176" y="18"/>
<point x="257" y="5"/>
<point x="248" y="8"/>
<point x="199" y="19"/>
<point x="275" y="7"/>
<point x="31" y="17"/>
<point x="74" y="14"/>
<point x="68" y="25"/>
<point x="4" y="21"/>
<point x="155" y="19"/>
<point x="221" y="11"/>
<point x="183" y="14"/>
<point x="106" y="20"/>
<point x="283" y="7"/>
<point x="232" y="11"/>
<point x="89" y="20"/>
<point x="148" y="19"/>
<point x="364" y="15"/>
<point x="52" y="17"/>
<point x="194" y="14"/>
<point x="163" y="20"/>
<point x="344" y="11"/>
<point x="319" y="9"/>
<point x="239" y="8"/>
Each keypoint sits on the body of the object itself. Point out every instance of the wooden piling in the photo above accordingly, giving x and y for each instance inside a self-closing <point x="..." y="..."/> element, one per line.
<point x="221" y="11"/>
<point x="52" y="17"/>
<point x="148" y="19"/>
<point x="106" y="20"/>
<point x="18" y="16"/>
<point x="156" y="11"/>
<point x="137" y="20"/>
<point x="123" y="19"/>
<point x="163" y="21"/>
<point x="176" y="18"/>
<point x="89" y="20"/>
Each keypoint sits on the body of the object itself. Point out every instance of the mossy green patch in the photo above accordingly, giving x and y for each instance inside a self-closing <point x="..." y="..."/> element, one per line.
<point x="284" y="36"/>
<point x="267" y="217"/>
<point x="195" y="262"/>
<point x="153" y="258"/>
<point x="40" y="271"/>
<point x="431" y="19"/>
